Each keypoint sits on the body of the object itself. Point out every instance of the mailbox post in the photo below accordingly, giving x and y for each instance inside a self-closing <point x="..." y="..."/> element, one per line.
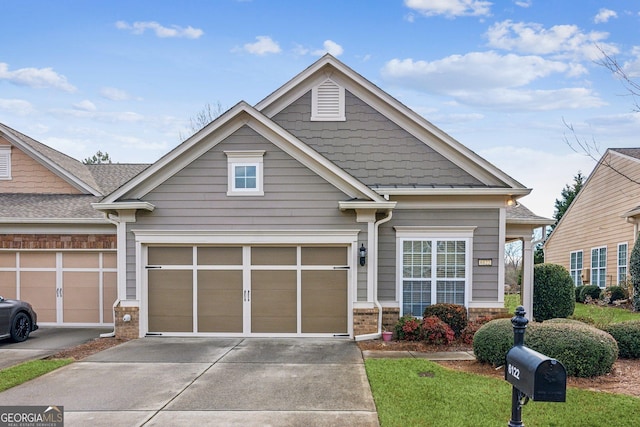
<point x="533" y="375"/>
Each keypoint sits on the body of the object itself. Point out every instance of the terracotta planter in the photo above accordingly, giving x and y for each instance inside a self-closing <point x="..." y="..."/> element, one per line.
<point x="386" y="336"/>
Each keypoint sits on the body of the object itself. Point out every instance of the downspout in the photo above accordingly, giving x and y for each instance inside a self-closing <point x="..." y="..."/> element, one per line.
<point x="376" y="226"/>
<point x="117" y="301"/>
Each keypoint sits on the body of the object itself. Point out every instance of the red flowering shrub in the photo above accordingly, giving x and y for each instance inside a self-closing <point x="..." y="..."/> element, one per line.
<point x="435" y="331"/>
<point x="408" y="328"/>
<point x="452" y="314"/>
<point x="472" y="327"/>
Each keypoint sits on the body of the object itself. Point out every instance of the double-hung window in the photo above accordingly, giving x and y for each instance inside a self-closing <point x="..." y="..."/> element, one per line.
<point x="434" y="267"/>
<point x="599" y="266"/>
<point x="245" y="173"/>
<point x="575" y="267"/>
<point x="622" y="263"/>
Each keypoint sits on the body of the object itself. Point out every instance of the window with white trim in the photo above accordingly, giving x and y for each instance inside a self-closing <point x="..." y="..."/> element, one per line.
<point x="5" y="162"/>
<point x="599" y="266"/>
<point x="327" y="102"/>
<point x="623" y="249"/>
<point x="575" y="267"/>
<point x="245" y="173"/>
<point x="433" y="269"/>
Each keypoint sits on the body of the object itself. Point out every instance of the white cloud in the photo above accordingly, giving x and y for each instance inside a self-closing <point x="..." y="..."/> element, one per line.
<point x="331" y="47"/>
<point x="559" y="40"/>
<point x="139" y="27"/>
<point x="16" y="106"/>
<point x="85" y="105"/>
<point x="262" y="46"/>
<point x="472" y="71"/>
<point x="525" y="3"/>
<point x="532" y="100"/>
<point x="450" y="8"/>
<point x="107" y="116"/>
<point x="545" y="171"/>
<point x="114" y="94"/>
<point x="632" y="67"/>
<point x="36" y="78"/>
<point x="604" y="15"/>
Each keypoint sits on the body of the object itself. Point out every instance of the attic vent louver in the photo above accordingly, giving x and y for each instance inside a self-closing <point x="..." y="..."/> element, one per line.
<point x="5" y="162"/>
<point x="327" y="100"/>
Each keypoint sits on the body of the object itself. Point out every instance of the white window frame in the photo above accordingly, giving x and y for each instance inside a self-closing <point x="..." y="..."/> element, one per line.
<point x="245" y="158"/>
<point x="433" y="234"/>
<point x="5" y="162"/>
<point x="575" y="270"/>
<point x="598" y="272"/>
<point x="317" y="114"/>
<point x="622" y="268"/>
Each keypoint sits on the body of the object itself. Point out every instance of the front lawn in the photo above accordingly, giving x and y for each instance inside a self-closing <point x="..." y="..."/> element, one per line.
<point x="589" y="313"/>
<point x="417" y="392"/>
<point x="16" y="375"/>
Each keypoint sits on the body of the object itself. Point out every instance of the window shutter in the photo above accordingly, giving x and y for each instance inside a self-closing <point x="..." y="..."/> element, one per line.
<point x="328" y="102"/>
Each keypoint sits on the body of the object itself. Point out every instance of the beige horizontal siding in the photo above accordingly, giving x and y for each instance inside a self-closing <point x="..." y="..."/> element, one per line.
<point x="595" y="217"/>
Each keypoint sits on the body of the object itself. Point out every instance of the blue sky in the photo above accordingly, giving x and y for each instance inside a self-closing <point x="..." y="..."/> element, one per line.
<point x="500" y="76"/>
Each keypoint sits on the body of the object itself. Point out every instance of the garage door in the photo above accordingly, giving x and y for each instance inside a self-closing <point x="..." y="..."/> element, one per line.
<point x="248" y="290"/>
<point x="75" y="287"/>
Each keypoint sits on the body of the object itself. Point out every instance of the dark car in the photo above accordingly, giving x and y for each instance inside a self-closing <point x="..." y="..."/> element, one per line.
<point x="17" y="319"/>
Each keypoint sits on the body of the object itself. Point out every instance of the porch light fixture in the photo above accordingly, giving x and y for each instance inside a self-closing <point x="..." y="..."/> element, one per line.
<point x="363" y="254"/>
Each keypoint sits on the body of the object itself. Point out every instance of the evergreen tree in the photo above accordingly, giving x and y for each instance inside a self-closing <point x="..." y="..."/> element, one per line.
<point x="568" y="194"/>
<point x="634" y="271"/>
<point x="97" y="159"/>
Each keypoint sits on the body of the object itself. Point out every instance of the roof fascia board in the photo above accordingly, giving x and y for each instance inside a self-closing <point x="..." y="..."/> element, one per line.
<point x="47" y="163"/>
<point x="392" y="191"/>
<point x="391" y="108"/>
<point x="127" y="205"/>
<point x="357" y="204"/>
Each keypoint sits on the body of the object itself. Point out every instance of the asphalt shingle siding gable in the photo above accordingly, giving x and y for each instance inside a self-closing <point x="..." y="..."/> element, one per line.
<point x="372" y="148"/>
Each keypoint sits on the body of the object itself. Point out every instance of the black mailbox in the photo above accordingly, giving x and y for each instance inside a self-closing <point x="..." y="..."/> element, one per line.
<point x="537" y="376"/>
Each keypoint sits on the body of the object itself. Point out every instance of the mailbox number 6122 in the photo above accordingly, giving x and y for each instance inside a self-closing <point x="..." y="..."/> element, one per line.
<point x="513" y="371"/>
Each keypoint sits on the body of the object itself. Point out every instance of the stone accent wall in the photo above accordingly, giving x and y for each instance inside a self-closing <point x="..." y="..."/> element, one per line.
<point x="474" y="313"/>
<point x="365" y="321"/>
<point x="127" y="330"/>
<point x="58" y="241"/>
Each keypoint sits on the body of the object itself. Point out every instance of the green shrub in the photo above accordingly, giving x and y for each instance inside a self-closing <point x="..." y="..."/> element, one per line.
<point x="592" y="291"/>
<point x="408" y="328"/>
<point x="452" y="314"/>
<point x="627" y="335"/>
<point x="435" y="331"/>
<point x="616" y="293"/>
<point x="553" y="292"/>
<point x="583" y="350"/>
<point x="492" y="341"/>
<point x="578" y="290"/>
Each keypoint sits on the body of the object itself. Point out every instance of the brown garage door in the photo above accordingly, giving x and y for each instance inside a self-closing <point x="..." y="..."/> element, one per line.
<point x="273" y="290"/>
<point x="65" y="287"/>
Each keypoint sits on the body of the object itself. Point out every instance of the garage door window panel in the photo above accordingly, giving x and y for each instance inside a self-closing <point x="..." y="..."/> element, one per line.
<point x="219" y="255"/>
<point x="274" y="255"/>
<point x="170" y="255"/>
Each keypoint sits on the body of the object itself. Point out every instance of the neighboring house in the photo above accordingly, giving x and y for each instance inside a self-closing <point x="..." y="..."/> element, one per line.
<point x="55" y="250"/>
<point x="594" y="238"/>
<point x="328" y="209"/>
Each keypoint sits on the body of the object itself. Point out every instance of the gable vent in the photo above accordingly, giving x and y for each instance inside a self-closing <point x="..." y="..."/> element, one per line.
<point x="327" y="102"/>
<point x="5" y="162"/>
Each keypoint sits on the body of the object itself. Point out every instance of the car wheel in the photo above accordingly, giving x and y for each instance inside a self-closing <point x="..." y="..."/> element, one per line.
<point x="20" y="327"/>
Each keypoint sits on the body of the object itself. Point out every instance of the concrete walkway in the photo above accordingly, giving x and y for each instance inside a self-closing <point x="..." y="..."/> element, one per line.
<point x="210" y="381"/>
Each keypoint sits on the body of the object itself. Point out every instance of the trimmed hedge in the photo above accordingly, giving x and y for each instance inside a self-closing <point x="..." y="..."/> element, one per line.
<point x="436" y="331"/>
<point x="553" y="292"/>
<point x="452" y="314"/>
<point x="592" y="291"/>
<point x="616" y="293"/>
<point x="627" y="334"/>
<point x="583" y="350"/>
<point x="408" y="328"/>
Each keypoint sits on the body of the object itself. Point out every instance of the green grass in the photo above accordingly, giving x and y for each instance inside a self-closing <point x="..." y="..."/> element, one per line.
<point x="16" y="375"/>
<point x="458" y="399"/>
<point x="588" y="313"/>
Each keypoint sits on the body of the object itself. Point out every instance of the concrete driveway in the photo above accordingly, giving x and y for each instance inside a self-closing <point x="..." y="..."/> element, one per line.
<point x="44" y="342"/>
<point x="210" y="381"/>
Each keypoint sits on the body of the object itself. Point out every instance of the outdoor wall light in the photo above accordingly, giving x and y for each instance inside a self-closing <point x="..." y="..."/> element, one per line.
<point x="363" y="254"/>
<point x="126" y="318"/>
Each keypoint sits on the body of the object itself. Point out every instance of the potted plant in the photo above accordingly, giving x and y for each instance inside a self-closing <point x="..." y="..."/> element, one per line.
<point x="386" y="335"/>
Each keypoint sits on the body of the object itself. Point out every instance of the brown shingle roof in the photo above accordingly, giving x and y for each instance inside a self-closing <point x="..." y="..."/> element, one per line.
<point x="631" y="152"/>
